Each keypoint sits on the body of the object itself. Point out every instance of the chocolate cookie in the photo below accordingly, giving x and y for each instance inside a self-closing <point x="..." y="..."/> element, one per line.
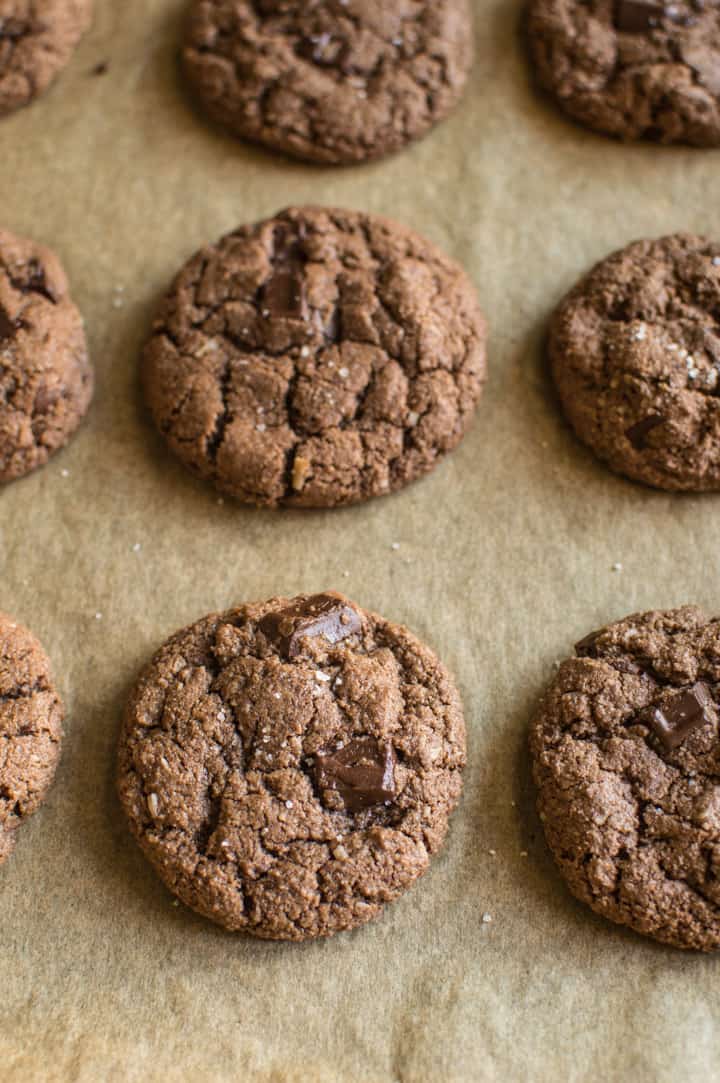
<point x="319" y="358"/>
<point x="626" y="756"/>
<point x="37" y="38"/>
<point x="46" y="381"/>
<point x="633" y="69"/>
<point x="289" y="767"/>
<point x="329" y="80"/>
<point x="31" y="716"/>
<point x="635" y="354"/>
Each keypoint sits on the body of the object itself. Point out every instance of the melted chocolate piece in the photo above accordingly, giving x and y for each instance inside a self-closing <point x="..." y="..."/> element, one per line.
<point x="37" y="282"/>
<point x="328" y="615"/>
<point x="636" y="433"/>
<point x="362" y="773"/>
<point x="13" y="29"/>
<point x="585" y="648"/>
<point x="687" y="711"/>
<point x="283" y="294"/>
<point x="8" y="327"/>
<point x="638" y="16"/>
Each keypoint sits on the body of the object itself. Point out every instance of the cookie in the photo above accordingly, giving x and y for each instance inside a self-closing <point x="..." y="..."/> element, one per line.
<point x="635" y="355"/>
<point x="633" y="69"/>
<point x="289" y="767"/>
<point x="319" y="358"/>
<point x="46" y="380"/>
<point x="626" y="758"/>
<point x="37" y="39"/>
<point x="31" y="716"/>
<point x="335" y="81"/>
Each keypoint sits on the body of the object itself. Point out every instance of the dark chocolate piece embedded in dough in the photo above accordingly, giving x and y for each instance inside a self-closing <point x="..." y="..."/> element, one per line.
<point x="361" y="772"/>
<point x="328" y="615"/>
<point x="677" y="718"/>
<point x="637" y="16"/>
<point x="291" y="797"/>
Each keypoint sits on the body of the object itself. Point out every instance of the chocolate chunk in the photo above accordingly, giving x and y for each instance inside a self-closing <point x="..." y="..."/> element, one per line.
<point x="362" y="773"/>
<point x="585" y="648"/>
<point x="686" y="711"/>
<point x="37" y="281"/>
<point x="328" y="615"/>
<point x="637" y="16"/>
<point x="283" y="294"/>
<point x="101" y="68"/>
<point x="8" y="327"/>
<point x="13" y="29"/>
<point x="636" y="433"/>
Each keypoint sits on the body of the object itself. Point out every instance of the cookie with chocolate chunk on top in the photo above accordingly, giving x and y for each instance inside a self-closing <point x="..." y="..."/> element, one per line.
<point x="31" y="717"/>
<point x="46" y="380"/>
<point x="626" y="759"/>
<point x="336" y="81"/>
<point x="633" y="69"/>
<point x="289" y="767"/>
<point x="37" y="39"/>
<point x="635" y="356"/>
<point x="319" y="358"/>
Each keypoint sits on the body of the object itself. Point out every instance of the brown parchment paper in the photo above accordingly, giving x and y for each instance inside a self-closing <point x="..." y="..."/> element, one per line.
<point x="506" y="557"/>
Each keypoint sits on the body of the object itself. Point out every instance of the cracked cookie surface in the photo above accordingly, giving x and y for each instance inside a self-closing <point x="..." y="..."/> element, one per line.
<point x="632" y="69"/>
<point x="31" y="716"/>
<point x="635" y="355"/>
<point x="626" y="759"/>
<point x="334" y="81"/>
<point x="37" y="38"/>
<point x="289" y="767"/>
<point x="318" y="358"/>
<point x="46" y="381"/>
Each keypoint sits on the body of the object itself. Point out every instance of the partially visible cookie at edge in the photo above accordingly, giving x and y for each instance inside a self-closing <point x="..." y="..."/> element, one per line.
<point x="46" y="380"/>
<point x="632" y="69"/>
<point x="289" y="767"/>
<point x="37" y="39"/>
<point x="31" y="716"/>
<point x="335" y="81"/>
<point x="319" y="358"/>
<point x="626" y="759"/>
<point x="635" y="355"/>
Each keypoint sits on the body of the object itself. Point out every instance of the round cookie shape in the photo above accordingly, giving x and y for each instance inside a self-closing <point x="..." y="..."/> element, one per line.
<point x="334" y="81"/>
<point x="31" y="716"/>
<point x="37" y="39"/>
<point x="633" y="69"/>
<point x="289" y="767"/>
<point x="319" y="358"/>
<point x="626" y="759"/>
<point x="635" y="355"/>
<point x="46" y="381"/>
